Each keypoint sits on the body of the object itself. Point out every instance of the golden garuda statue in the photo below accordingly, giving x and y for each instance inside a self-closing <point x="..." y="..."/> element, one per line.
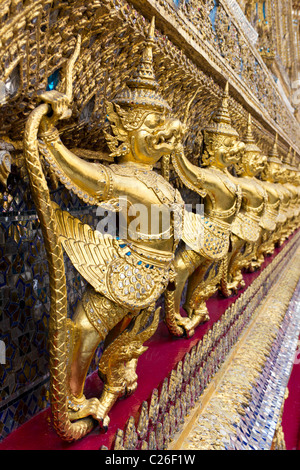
<point x="125" y="276"/>
<point x="249" y="223"/>
<point x="270" y="220"/>
<point x="292" y="184"/>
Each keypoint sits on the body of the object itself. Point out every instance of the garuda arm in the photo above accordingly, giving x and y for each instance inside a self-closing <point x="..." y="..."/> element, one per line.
<point x="90" y="181"/>
<point x="192" y="177"/>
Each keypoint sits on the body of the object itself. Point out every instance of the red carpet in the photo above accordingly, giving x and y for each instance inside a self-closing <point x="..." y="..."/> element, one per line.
<point x="291" y="412"/>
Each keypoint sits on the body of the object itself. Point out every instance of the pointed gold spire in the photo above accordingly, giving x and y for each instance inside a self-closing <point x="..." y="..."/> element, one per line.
<point x="249" y="138"/>
<point x="222" y="113"/>
<point x="289" y="157"/>
<point x="220" y="122"/>
<point x="274" y="155"/>
<point x="295" y="162"/>
<point x="274" y="151"/>
<point x="142" y="87"/>
<point x="144" y="76"/>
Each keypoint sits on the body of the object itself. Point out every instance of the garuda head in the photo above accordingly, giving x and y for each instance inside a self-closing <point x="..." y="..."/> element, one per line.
<point x="143" y="131"/>
<point x="222" y="146"/>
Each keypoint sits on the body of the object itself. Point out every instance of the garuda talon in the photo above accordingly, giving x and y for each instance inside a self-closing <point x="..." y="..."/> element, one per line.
<point x="125" y="276"/>
<point x="292" y="184"/>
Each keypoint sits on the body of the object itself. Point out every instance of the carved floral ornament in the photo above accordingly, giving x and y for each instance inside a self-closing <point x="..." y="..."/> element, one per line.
<point x="45" y="64"/>
<point x="250" y="200"/>
<point x="21" y="84"/>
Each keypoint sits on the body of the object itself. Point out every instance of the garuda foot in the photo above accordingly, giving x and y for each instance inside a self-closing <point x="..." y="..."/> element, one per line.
<point x="107" y="400"/>
<point x="96" y="408"/>
<point x="187" y="325"/>
<point x="131" y="377"/>
<point x="200" y="313"/>
<point x="254" y="266"/>
<point x="234" y="286"/>
<point x="195" y="317"/>
<point x="82" y="407"/>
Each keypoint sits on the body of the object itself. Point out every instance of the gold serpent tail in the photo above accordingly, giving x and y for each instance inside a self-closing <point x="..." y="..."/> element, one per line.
<point x="224" y="279"/>
<point x="170" y="318"/>
<point x="58" y="293"/>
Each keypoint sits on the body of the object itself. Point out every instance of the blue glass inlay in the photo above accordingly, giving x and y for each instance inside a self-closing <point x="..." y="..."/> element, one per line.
<point x="213" y="14"/>
<point x="53" y="80"/>
<point x="264" y="10"/>
<point x="241" y="67"/>
<point x="178" y="2"/>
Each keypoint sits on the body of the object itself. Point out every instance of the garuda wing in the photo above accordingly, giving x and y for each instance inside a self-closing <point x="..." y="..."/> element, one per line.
<point x="113" y="267"/>
<point x="205" y="236"/>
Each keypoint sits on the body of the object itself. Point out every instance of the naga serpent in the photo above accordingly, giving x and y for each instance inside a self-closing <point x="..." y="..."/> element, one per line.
<point x="59" y="325"/>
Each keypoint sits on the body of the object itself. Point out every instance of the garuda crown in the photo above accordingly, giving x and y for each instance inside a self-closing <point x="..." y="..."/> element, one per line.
<point x="129" y="108"/>
<point x="220" y="122"/>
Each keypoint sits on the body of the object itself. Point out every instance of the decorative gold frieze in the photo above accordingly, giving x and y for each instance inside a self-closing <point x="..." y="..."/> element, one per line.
<point x="131" y="436"/>
<point x="31" y="62"/>
<point x="143" y="422"/>
<point x="154" y="406"/>
<point x="235" y="387"/>
<point x="119" y="440"/>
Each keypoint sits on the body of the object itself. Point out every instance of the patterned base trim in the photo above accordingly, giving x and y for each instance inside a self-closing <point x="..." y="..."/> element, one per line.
<point x="164" y="422"/>
<point x="248" y="399"/>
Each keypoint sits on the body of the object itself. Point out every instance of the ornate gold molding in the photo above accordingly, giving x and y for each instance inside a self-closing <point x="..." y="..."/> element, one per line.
<point x="28" y="59"/>
<point x="199" y="45"/>
<point x="185" y="394"/>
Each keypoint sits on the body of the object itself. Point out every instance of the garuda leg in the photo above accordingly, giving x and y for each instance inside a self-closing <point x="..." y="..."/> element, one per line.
<point x="232" y="267"/>
<point x="117" y="366"/>
<point x="98" y="319"/>
<point x="203" y="283"/>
